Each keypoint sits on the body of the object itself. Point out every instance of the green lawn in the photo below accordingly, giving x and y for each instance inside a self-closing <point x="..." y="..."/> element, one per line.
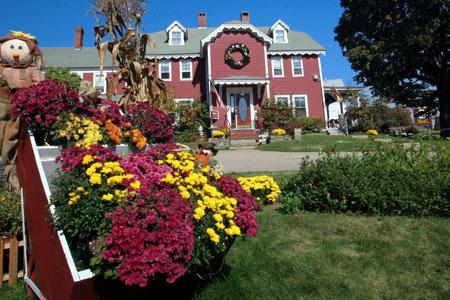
<point x="322" y="142"/>
<point x="329" y="256"/>
<point x="332" y="256"/>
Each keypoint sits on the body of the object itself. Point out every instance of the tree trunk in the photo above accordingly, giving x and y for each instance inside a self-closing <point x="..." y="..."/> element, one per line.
<point x="444" y="109"/>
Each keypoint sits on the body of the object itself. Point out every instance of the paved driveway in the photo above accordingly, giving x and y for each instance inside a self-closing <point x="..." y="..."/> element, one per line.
<point x="249" y="160"/>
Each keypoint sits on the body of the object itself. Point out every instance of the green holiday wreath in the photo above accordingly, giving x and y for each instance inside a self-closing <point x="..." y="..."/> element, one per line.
<point x="237" y="64"/>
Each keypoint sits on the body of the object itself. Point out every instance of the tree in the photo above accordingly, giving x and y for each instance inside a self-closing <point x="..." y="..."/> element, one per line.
<point x="64" y="75"/>
<point x="401" y="49"/>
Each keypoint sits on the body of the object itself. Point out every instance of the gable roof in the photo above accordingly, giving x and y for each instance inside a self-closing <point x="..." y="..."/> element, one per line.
<point x="87" y="57"/>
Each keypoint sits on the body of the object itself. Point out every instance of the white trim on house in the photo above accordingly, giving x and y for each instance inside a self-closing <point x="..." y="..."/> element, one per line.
<point x="172" y="39"/>
<point x="176" y="27"/>
<point x="208" y="84"/>
<point x="235" y="27"/>
<point x="102" y="81"/>
<point x="301" y="66"/>
<point x="179" y="101"/>
<point x="174" y="56"/>
<point x="281" y="64"/>
<point x="240" y="81"/>
<point x="306" y="103"/>
<point x="181" y="69"/>
<point x="325" y="113"/>
<point x="279" y="23"/>
<point x="266" y="63"/>
<point x="280" y="28"/>
<point x="237" y="90"/>
<point x="283" y="96"/>
<point x="297" y="52"/>
<point x="170" y="69"/>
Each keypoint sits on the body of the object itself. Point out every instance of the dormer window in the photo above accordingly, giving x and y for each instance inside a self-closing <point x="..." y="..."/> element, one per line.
<point x="175" y="37"/>
<point x="279" y="32"/>
<point x="280" y="36"/>
<point x="176" y="34"/>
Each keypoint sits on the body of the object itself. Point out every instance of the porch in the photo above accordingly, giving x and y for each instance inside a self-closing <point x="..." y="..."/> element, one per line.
<point x="234" y="102"/>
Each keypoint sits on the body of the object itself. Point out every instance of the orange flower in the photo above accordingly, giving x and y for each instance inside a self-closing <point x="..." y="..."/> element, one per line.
<point x="114" y="132"/>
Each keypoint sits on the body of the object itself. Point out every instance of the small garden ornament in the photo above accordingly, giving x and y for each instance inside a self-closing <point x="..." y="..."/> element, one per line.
<point x="20" y="67"/>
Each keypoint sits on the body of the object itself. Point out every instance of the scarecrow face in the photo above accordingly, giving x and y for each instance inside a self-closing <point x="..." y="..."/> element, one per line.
<point x="16" y="52"/>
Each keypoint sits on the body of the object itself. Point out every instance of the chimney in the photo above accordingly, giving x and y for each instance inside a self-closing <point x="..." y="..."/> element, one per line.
<point x="202" y="20"/>
<point x="245" y="17"/>
<point x="79" y="33"/>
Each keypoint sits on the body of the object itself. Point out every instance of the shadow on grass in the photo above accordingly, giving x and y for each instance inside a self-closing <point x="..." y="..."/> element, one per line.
<point x="187" y="287"/>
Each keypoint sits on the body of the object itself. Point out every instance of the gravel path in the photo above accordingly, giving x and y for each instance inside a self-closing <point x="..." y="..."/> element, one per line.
<point x="249" y="160"/>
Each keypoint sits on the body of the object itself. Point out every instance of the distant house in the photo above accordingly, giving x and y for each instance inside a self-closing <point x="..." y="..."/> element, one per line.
<point x="234" y="68"/>
<point x="334" y="105"/>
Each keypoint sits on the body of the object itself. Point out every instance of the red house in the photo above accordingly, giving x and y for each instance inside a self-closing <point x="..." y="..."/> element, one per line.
<point x="234" y="68"/>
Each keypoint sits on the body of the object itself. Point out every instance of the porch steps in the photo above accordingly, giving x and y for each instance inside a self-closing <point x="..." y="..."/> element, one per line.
<point x="334" y="131"/>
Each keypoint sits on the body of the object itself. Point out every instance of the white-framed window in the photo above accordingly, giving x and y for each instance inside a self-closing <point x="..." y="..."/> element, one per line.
<point x="165" y="70"/>
<point x="176" y="37"/>
<point x="297" y="66"/>
<point x="300" y="105"/>
<point x="282" y="99"/>
<point x="185" y="69"/>
<point x="277" y="66"/>
<point x="280" y="36"/>
<point x="100" y="82"/>
<point x="184" y="101"/>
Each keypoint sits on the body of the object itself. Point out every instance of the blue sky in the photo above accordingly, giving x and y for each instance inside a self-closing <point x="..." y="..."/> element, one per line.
<point x="53" y="21"/>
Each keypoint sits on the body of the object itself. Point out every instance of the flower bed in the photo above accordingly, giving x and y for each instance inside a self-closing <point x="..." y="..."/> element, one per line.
<point x="155" y="214"/>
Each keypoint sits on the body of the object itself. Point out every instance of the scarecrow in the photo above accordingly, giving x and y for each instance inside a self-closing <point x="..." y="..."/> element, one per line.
<point x="19" y="67"/>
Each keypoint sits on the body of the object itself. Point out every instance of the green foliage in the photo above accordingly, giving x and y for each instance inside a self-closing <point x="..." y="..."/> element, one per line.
<point x="273" y="115"/>
<point x="188" y="119"/>
<point x="388" y="180"/>
<point x="64" y="75"/>
<point x="377" y="115"/>
<point x="80" y="222"/>
<point x="307" y="124"/>
<point x="401" y="49"/>
<point x="10" y="214"/>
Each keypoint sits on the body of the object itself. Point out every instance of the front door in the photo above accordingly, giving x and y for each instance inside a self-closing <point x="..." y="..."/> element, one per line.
<point x="240" y="114"/>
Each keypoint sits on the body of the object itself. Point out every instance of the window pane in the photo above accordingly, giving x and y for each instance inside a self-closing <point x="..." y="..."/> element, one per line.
<point x="277" y="67"/>
<point x="186" y="75"/>
<point x="185" y="66"/>
<point x="176" y="37"/>
<point x="279" y="36"/>
<point x="283" y="100"/>
<point x="297" y="63"/>
<point x="99" y="83"/>
<point x="300" y="105"/>
<point x="164" y="66"/>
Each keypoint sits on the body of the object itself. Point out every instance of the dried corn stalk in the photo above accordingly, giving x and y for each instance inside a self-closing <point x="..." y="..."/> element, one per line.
<point x="120" y="21"/>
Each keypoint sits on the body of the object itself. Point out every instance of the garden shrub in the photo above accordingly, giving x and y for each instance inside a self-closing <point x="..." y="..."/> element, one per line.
<point x="389" y="180"/>
<point x="188" y="119"/>
<point x="307" y="124"/>
<point x="10" y="214"/>
<point x="377" y="115"/>
<point x="64" y="76"/>
<point x="273" y="115"/>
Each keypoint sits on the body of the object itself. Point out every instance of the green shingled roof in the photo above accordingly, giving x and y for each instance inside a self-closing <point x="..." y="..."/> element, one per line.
<point x="84" y="58"/>
<point x="87" y="58"/>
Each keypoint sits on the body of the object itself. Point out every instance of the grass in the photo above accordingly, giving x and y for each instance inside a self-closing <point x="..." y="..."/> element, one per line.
<point x="329" y="256"/>
<point x="16" y="293"/>
<point x="332" y="256"/>
<point x="322" y="142"/>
